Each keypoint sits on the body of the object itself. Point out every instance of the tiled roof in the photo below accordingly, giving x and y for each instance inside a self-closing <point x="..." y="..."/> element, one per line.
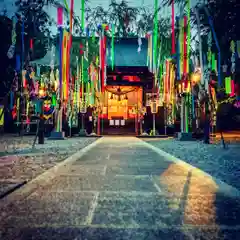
<point x="126" y="53"/>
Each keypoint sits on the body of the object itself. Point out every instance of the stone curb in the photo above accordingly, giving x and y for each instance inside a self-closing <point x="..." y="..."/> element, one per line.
<point x="222" y="186"/>
<point x="42" y="179"/>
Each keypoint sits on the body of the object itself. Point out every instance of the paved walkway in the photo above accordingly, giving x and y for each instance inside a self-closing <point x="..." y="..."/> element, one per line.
<point x="122" y="189"/>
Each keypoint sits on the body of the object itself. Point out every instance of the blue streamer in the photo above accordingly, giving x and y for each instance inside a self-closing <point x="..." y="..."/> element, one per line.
<point x="87" y="32"/>
<point x="22" y="33"/>
<point x="205" y="63"/>
<point x="18" y="63"/>
<point x="38" y="71"/>
<point x="152" y="67"/>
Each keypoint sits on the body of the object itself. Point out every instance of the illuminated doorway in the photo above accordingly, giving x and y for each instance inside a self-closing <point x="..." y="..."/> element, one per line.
<point x="122" y="105"/>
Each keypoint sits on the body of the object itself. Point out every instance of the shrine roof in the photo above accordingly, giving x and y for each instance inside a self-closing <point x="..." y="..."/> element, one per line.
<point x="126" y="53"/>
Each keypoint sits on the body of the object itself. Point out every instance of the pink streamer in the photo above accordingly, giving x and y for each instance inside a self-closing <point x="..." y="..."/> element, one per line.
<point x="60" y="16"/>
<point x="232" y="88"/>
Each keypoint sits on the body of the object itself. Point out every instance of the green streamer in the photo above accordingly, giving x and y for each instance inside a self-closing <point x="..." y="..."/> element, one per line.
<point x="228" y="86"/>
<point x="83" y="8"/>
<point x="112" y="49"/>
<point x="186" y="113"/>
<point x="213" y="62"/>
<point x="54" y="100"/>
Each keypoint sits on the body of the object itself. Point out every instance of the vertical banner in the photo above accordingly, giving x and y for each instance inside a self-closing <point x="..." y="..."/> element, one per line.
<point x="178" y="50"/>
<point x="173" y="29"/>
<point x="112" y="46"/>
<point x="64" y="59"/>
<point x="82" y="17"/>
<point x="60" y="17"/>
<point x="185" y="46"/>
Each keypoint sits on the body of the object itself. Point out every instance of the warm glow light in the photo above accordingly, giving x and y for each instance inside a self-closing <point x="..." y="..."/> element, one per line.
<point x="195" y="78"/>
<point x="188" y="182"/>
<point x="41" y="93"/>
<point x="55" y="85"/>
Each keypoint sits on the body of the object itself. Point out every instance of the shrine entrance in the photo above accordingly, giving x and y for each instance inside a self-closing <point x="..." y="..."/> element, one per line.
<point x="121" y="113"/>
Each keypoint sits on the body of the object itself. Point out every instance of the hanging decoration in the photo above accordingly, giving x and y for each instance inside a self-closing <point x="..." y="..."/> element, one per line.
<point x="60" y="16"/>
<point x="217" y="45"/>
<point x="238" y="48"/>
<point x="82" y="12"/>
<point x="112" y="46"/>
<point x="173" y="29"/>
<point x="11" y="50"/>
<point x="139" y="44"/>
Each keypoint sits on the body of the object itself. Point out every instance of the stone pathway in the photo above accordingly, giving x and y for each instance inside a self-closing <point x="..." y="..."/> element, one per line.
<point x="121" y="189"/>
<point x="20" y="163"/>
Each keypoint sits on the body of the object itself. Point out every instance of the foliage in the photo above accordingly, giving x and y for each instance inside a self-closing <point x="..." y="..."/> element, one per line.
<point x="225" y="17"/>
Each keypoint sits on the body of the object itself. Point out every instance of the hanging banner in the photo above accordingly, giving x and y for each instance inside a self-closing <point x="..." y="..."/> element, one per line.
<point x="11" y="50"/>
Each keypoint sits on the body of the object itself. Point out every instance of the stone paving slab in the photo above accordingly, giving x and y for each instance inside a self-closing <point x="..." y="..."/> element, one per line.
<point x="102" y="183"/>
<point x="152" y="210"/>
<point x="41" y="201"/>
<point x="76" y="170"/>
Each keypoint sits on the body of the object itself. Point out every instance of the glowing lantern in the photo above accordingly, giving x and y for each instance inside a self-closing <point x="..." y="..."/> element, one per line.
<point x="42" y="92"/>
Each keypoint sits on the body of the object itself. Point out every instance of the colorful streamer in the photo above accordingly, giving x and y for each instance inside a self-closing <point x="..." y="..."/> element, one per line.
<point x="232" y="88"/>
<point x="173" y="29"/>
<point x="71" y="15"/>
<point x="155" y="38"/>
<point x="60" y="17"/>
<point x="112" y="46"/>
<point x="82" y="18"/>
<point x="228" y="85"/>
<point x="185" y="46"/>
<point x="188" y="35"/>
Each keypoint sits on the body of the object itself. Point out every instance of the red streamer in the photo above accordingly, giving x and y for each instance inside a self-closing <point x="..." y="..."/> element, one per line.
<point x="71" y="15"/>
<point x="31" y="44"/>
<point x="233" y="88"/>
<point x="103" y="51"/>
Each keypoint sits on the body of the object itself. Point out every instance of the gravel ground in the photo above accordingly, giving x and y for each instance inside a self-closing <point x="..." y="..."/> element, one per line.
<point x="19" y="162"/>
<point x="213" y="159"/>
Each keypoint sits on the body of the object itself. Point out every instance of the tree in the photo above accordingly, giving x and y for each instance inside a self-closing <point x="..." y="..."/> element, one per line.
<point x="225" y="16"/>
<point x="37" y="25"/>
<point x="5" y="41"/>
